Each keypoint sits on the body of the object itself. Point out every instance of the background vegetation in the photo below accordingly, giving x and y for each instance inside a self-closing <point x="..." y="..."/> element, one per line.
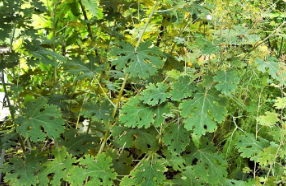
<point x="143" y="92"/>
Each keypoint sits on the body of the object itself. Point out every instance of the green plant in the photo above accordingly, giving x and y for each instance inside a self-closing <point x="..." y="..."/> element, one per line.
<point x="142" y="93"/>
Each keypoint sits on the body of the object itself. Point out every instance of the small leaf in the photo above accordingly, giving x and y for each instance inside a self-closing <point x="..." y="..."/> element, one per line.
<point x="187" y="178"/>
<point x="175" y="160"/>
<point x="153" y="95"/>
<point x="227" y="81"/>
<point x="182" y="88"/>
<point x="269" y="120"/>
<point x="280" y="103"/>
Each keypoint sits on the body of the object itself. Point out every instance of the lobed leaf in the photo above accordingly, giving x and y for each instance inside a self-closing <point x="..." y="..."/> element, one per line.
<point x="143" y="62"/>
<point x="137" y="114"/>
<point x="34" y="117"/>
<point x="201" y="111"/>
<point x="153" y="95"/>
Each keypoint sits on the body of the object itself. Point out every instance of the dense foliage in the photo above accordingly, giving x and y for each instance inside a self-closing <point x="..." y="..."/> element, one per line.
<point x="143" y="92"/>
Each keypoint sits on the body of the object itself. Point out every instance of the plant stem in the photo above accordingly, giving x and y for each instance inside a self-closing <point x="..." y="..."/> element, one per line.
<point x="146" y="24"/>
<point x="113" y="113"/>
<point x="12" y="111"/>
<point x="55" y="5"/>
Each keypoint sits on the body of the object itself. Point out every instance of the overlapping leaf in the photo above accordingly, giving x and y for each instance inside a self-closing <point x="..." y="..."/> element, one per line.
<point x="187" y="178"/>
<point x="24" y="172"/>
<point x="92" y="6"/>
<point x="143" y="139"/>
<point x="202" y="111"/>
<point x="143" y="62"/>
<point x="276" y="69"/>
<point x="137" y="114"/>
<point x="34" y="118"/>
<point x="227" y="81"/>
<point x="154" y="95"/>
<point x="182" y="88"/>
<point x="176" y="161"/>
<point x="210" y="166"/>
<point x="59" y="166"/>
<point x="82" y="70"/>
<point x="250" y="147"/>
<point x="75" y="143"/>
<point x="98" y="111"/>
<point x="99" y="170"/>
<point x="176" y="137"/>
<point x="39" y="52"/>
<point x="147" y="174"/>
<point x="269" y="119"/>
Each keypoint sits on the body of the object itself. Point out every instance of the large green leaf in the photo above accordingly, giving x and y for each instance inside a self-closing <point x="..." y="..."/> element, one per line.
<point x="99" y="170"/>
<point x="154" y="95"/>
<point x="210" y="166"/>
<point x="227" y="81"/>
<point x="176" y="137"/>
<point x="59" y="166"/>
<point x="81" y="70"/>
<point x="137" y="114"/>
<point x="143" y="62"/>
<point x="147" y="174"/>
<point x="201" y="111"/>
<point x="21" y="172"/>
<point x="34" y="117"/>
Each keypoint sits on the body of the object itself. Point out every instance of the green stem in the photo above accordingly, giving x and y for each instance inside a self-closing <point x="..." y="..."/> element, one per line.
<point x="146" y="24"/>
<point x="113" y="114"/>
<point x="55" y="5"/>
<point x="12" y="111"/>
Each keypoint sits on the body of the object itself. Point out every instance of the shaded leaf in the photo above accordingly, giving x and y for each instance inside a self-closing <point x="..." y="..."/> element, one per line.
<point x="82" y="70"/>
<point x="60" y="166"/>
<point x="24" y="172"/>
<point x="99" y="170"/>
<point x="75" y="143"/>
<point x="34" y="117"/>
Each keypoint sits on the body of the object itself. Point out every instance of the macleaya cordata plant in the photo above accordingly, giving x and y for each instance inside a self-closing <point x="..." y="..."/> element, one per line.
<point x="149" y="92"/>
